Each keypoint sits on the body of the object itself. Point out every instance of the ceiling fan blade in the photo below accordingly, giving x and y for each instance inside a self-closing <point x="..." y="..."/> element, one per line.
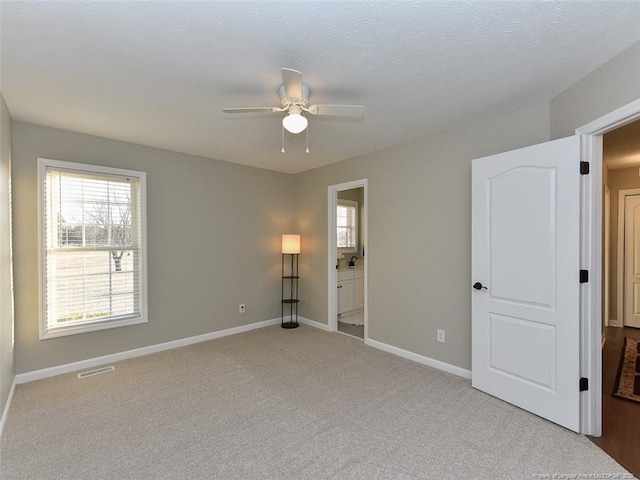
<point x="292" y="81"/>
<point x="337" y="110"/>
<point x="251" y="109"/>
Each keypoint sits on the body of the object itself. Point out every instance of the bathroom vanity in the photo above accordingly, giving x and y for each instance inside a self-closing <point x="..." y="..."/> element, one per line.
<point x="350" y="289"/>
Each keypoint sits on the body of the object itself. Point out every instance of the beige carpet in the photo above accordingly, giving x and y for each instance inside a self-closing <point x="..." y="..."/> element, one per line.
<point x="280" y="404"/>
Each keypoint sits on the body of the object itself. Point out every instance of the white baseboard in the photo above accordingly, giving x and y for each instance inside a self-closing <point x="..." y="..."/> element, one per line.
<point x="604" y="339"/>
<point x="138" y="352"/>
<point x="5" y="411"/>
<point x="613" y="323"/>
<point x="314" y="324"/>
<point x="431" y="362"/>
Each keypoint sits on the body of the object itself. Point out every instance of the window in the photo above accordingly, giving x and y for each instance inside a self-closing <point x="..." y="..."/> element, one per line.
<point x="93" y="247"/>
<point x="347" y="225"/>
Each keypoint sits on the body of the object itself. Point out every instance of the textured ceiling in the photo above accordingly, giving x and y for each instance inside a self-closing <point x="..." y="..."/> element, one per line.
<point x="158" y="73"/>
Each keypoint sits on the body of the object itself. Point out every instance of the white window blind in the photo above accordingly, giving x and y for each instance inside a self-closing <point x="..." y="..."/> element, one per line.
<point x="93" y="233"/>
<point x="347" y="225"/>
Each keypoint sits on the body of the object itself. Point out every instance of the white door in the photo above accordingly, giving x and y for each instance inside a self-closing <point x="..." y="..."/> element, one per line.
<point x="345" y="296"/>
<point x="632" y="261"/>
<point x="525" y="260"/>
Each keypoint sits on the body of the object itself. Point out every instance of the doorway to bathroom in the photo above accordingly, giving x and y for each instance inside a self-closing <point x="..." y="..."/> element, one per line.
<point x="348" y="259"/>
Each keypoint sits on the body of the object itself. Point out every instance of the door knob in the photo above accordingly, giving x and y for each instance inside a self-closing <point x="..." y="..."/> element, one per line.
<point x="479" y="286"/>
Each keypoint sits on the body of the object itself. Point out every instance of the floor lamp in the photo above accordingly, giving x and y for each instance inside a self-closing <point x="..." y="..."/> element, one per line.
<point x="291" y="248"/>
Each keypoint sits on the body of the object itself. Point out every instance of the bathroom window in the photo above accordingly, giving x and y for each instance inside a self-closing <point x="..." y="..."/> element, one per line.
<point x="347" y="226"/>
<point x="93" y="248"/>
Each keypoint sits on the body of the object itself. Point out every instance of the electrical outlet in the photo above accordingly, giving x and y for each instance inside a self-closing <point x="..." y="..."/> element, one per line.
<point x="241" y="308"/>
<point x="441" y="336"/>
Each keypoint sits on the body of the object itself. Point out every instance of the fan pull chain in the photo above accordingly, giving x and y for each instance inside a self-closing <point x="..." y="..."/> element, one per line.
<point x="283" y="139"/>
<point x="307" y="139"/>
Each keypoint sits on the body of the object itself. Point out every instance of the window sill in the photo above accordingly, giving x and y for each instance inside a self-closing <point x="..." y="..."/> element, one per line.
<point x="92" y="327"/>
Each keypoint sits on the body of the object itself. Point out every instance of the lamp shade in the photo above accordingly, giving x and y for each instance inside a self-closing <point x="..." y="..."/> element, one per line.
<point x="290" y="243"/>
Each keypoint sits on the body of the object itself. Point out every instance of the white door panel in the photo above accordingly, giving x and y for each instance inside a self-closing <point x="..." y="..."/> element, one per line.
<point x="525" y="250"/>
<point x="535" y="266"/>
<point x="537" y="343"/>
<point x="632" y="261"/>
<point x="636" y="300"/>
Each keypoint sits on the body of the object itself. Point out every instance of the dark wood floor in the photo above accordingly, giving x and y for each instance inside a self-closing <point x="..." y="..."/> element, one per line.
<point x="620" y="418"/>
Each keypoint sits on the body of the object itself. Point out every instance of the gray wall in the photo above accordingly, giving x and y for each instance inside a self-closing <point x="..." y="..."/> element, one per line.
<point x="7" y="366"/>
<point x="419" y="243"/>
<point x="611" y="86"/>
<point x="213" y="242"/>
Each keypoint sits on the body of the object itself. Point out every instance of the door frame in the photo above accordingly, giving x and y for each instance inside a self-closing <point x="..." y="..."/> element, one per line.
<point x="621" y="253"/>
<point x="591" y="259"/>
<point x="606" y="278"/>
<point x="332" y="204"/>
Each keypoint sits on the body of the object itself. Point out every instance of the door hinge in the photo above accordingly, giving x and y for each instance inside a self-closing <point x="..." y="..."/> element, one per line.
<point x="584" y="168"/>
<point x="584" y="276"/>
<point x="584" y="384"/>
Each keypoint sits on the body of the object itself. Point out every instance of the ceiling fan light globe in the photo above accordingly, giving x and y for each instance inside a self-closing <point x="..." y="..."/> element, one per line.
<point x="295" y="123"/>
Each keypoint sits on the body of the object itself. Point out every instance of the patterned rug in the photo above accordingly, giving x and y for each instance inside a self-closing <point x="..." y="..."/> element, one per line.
<point x="628" y="379"/>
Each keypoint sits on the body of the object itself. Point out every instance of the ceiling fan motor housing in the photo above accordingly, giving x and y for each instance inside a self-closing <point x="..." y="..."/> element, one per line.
<point x="286" y="102"/>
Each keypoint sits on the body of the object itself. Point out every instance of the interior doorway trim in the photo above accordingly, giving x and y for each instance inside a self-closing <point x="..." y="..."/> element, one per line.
<point x="591" y="259"/>
<point x="622" y="211"/>
<point x="607" y="259"/>
<point x="332" y="204"/>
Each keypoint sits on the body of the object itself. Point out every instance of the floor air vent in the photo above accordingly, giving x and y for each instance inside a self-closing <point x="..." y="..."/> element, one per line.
<point x="97" y="371"/>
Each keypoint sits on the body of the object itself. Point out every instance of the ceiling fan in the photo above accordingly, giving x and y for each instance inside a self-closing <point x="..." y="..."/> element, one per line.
<point x="294" y="99"/>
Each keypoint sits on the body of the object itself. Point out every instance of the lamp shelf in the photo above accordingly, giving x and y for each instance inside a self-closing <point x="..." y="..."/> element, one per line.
<point x="290" y="300"/>
<point x="290" y="277"/>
